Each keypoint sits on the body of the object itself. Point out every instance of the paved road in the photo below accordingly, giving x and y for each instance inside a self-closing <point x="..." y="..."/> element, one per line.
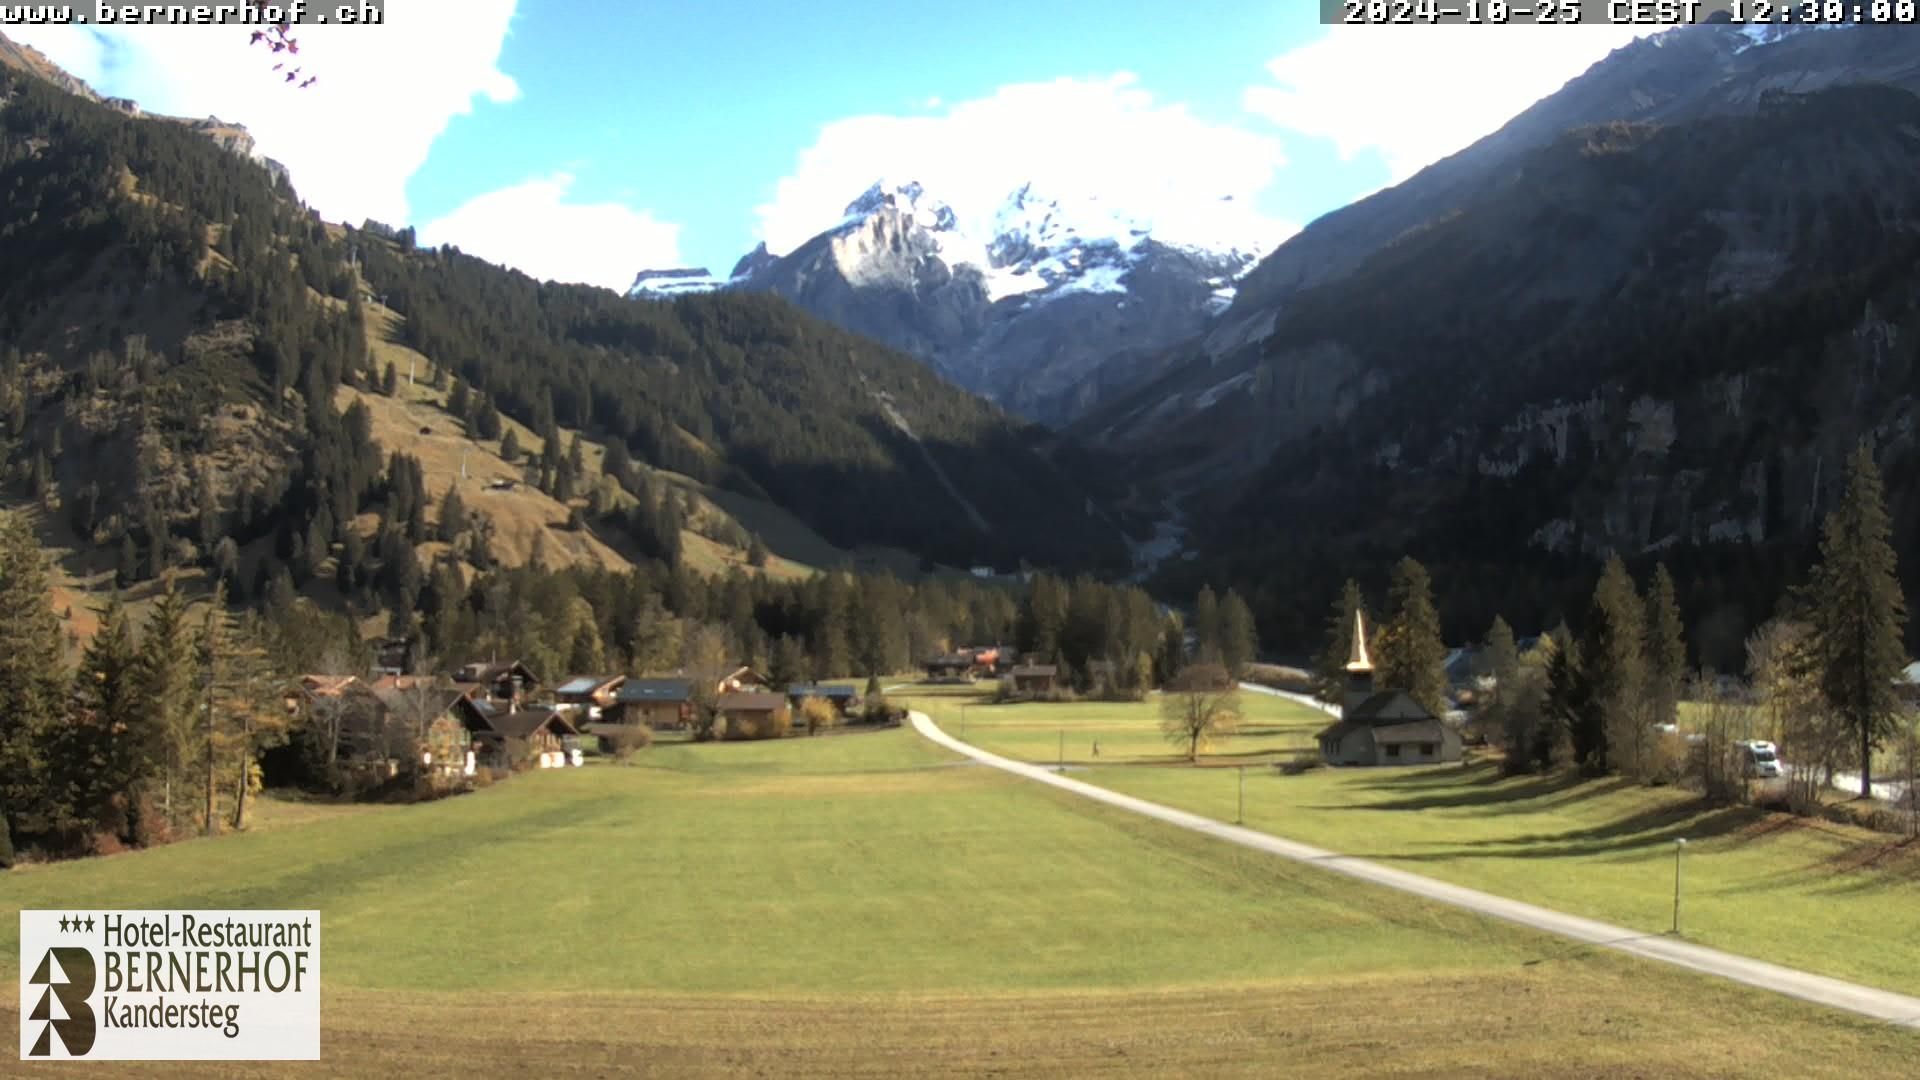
<point x="1884" y="1005"/>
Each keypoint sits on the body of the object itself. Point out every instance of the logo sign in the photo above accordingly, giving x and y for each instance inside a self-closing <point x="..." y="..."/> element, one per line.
<point x="170" y="985"/>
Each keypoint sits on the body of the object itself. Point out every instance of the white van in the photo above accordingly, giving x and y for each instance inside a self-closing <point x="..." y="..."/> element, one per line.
<point x="1759" y="758"/>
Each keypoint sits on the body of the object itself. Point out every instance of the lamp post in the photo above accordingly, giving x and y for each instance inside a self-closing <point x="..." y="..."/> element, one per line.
<point x="1679" y="845"/>
<point x="1240" y="809"/>
<point x="1063" y="750"/>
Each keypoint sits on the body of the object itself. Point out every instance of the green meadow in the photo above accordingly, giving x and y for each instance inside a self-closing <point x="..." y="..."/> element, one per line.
<point x="867" y="904"/>
<point x="1804" y="893"/>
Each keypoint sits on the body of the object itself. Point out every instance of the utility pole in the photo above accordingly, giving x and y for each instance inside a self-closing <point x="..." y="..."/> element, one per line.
<point x="1063" y="750"/>
<point x="1679" y="845"/>
<point x="1240" y="810"/>
<point x="212" y="661"/>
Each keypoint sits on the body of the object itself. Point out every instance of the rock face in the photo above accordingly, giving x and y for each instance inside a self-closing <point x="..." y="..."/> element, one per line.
<point x="232" y="137"/>
<point x="1650" y="316"/>
<point x="1046" y="305"/>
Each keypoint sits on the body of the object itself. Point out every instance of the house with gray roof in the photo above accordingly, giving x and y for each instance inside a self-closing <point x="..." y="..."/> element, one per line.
<point x="1383" y="727"/>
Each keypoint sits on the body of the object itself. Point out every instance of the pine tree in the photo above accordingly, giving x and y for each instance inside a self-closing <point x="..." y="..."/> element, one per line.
<point x="242" y="716"/>
<point x="1411" y="655"/>
<point x="1331" y="665"/>
<point x="168" y="678"/>
<point x="390" y="381"/>
<point x="1239" y="640"/>
<point x="510" y="447"/>
<point x="453" y="515"/>
<point x="757" y="553"/>
<point x="1043" y="616"/>
<point x="1502" y="661"/>
<point x="1666" y="650"/>
<point x="33" y="682"/>
<point x="617" y="461"/>
<point x="128" y="570"/>
<point x="1206" y="626"/>
<point x="1857" y="614"/>
<point x="458" y="402"/>
<point x="109" y="748"/>
<point x="1611" y="732"/>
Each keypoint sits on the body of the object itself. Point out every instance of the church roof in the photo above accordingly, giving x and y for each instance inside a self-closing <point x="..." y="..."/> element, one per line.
<point x="1357" y="661"/>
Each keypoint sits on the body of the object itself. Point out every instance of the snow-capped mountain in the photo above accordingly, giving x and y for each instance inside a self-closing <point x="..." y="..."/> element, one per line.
<point x="1041" y="302"/>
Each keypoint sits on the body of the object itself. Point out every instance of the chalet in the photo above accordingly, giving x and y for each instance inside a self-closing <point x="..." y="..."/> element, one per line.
<point x="752" y="714"/>
<point x="957" y="665"/>
<point x="588" y="695"/>
<point x="1034" y="678"/>
<point x="740" y="680"/>
<point x="346" y="714"/>
<point x="392" y="656"/>
<point x="658" y="703"/>
<point x="1383" y="727"/>
<point x="840" y="697"/>
<point x="439" y="722"/>
<point x="540" y="734"/>
<point x="512" y="683"/>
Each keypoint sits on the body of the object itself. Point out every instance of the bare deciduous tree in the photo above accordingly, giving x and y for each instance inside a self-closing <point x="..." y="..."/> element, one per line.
<point x="1199" y="705"/>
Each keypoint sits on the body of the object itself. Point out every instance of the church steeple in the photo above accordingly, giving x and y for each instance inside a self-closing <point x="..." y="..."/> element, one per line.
<point x="1359" y="670"/>
<point x="1358" y="660"/>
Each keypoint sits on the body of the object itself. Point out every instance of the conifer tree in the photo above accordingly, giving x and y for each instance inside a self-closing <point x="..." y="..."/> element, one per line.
<point x="1411" y="655"/>
<point x="1611" y="732"/>
<point x="33" y="682"/>
<point x="108" y="749"/>
<point x="1502" y="661"/>
<point x="510" y="447"/>
<point x="1857" y="615"/>
<point x="1206" y="626"/>
<point x="168" y="677"/>
<point x="1666" y="650"/>
<point x="453" y="515"/>
<point x="1239" y="640"/>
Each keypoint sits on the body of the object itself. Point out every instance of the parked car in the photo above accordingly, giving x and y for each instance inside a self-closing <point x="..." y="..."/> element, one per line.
<point x="1759" y="759"/>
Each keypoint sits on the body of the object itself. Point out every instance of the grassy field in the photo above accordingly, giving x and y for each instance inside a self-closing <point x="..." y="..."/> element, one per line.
<point x="1808" y="894"/>
<point x="864" y="905"/>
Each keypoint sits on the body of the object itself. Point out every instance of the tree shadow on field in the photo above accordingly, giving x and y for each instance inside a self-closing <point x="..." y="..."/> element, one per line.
<point x="1652" y="829"/>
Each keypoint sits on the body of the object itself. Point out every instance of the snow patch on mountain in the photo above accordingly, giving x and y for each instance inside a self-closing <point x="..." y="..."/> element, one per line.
<point x="666" y="284"/>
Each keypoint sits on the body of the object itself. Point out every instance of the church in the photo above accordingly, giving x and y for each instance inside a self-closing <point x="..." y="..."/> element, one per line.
<point x="1383" y="727"/>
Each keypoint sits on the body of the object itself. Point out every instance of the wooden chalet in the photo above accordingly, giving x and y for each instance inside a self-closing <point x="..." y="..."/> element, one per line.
<point x="748" y="711"/>
<point x="588" y="695"/>
<point x="513" y="683"/>
<point x="740" y="680"/>
<point x="541" y="735"/>
<point x="841" y="698"/>
<point x="658" y="703"/>
<point x="1034" y="678"/>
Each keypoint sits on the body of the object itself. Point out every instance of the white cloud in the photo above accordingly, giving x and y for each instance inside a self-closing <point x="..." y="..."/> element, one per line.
<point x="531" y="226"/>
<point x="1418" y="94"/>
<point x="1070" y="137"/>
<point x="384" y="94"/>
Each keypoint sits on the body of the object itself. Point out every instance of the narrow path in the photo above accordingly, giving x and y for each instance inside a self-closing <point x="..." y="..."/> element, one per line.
<point x="1883" y="1005"/>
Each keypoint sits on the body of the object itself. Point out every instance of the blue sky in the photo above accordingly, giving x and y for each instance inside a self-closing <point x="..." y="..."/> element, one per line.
<point x="586" y="139"/>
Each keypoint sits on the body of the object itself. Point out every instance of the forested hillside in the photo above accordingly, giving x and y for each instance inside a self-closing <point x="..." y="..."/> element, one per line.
<point x="1659" y="341"/>
<point x="174" y="326"/>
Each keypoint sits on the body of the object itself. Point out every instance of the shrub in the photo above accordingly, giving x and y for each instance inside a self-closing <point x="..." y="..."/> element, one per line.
<point x="481" y="778"/>
<point x="819" y="714"/>
<point x="628" y="741"/>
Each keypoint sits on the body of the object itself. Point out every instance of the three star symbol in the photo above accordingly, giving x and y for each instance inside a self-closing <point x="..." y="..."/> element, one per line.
<point x="75" y="923"/>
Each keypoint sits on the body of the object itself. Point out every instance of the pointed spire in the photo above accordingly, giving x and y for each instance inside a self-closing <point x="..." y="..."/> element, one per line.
<point x="1358" y="661"/>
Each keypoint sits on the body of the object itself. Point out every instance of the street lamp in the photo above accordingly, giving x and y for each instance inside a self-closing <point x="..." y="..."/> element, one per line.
<point x="1679" y="845"/>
